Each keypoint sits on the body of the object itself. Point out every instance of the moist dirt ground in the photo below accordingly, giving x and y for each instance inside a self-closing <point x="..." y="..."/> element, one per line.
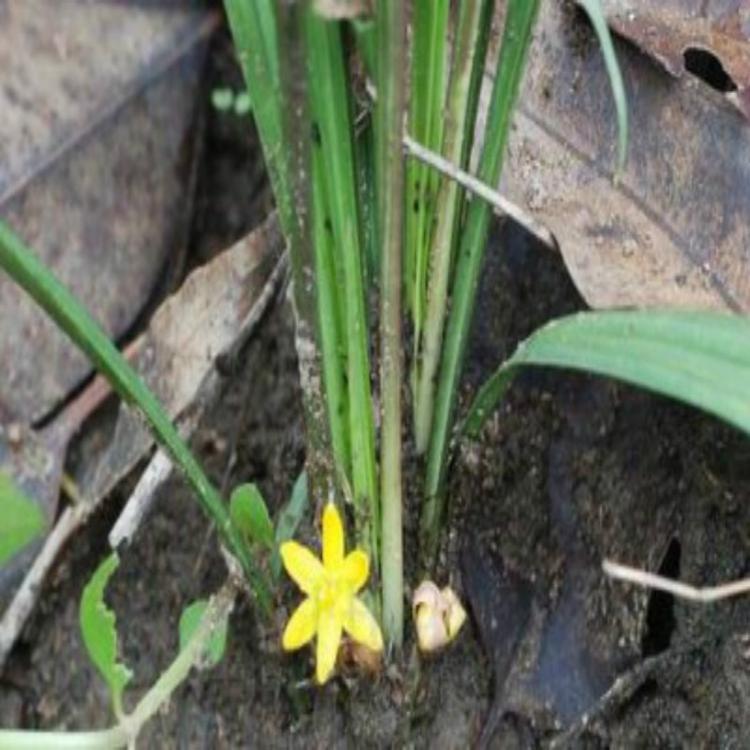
<point x="570" y="470"/>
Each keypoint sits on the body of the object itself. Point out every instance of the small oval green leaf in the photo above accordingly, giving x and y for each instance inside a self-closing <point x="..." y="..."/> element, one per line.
<point x="190" y="620"/>
<point x="248" y="510"/>
<point x="21" y="519"/>
<point x="99" y="631"/>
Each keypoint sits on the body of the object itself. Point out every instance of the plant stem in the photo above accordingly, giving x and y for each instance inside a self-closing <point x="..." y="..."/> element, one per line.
<point x="72" y="318"/>
<point x="391" y="30"/>
<point x="471" y="15"/>
<point x="519" y="23"/>
<point x="127" y="730"/>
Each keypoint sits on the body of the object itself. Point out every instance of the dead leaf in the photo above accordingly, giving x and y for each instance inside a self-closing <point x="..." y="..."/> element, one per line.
<point x="95" y="171"/>
<point x="709" y="39"/>
<point x="188" y="334"/>
<point x="674" y="231"/>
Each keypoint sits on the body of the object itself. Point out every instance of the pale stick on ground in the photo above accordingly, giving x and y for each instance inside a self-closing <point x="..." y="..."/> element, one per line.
<point x="703" y="595"/>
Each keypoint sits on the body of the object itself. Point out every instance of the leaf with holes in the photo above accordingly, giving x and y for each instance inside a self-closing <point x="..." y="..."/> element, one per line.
<point x="99" y="631"/>
<point x="673" y="231"/>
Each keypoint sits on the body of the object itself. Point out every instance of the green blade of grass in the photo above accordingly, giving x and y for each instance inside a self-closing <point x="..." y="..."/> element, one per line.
<point x="391" y="62"/>
<point x="593" y="9"/>
<point x="331" y="112"/>
<point x="330" y="323"/>
<point x="472" y="32"/>
<point x="255" y="32"/>
<point x="702" y="359"/>
<point x="426" y="118"/>
<point x="519" y="24"/>
<point x="72" y="318"/>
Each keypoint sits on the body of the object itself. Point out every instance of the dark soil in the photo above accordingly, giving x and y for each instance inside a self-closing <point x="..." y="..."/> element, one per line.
<point x="570" y="470"/>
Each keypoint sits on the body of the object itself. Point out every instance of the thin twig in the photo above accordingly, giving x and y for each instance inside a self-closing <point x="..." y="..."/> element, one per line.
<point x="160" y="467"/>
<point x="501" y="204"/>
<point x="703" y="595"/>
<point x="141" y="500"/>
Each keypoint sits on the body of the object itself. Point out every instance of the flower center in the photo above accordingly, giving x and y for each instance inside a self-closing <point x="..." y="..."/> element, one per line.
<point x="331" y="590"/>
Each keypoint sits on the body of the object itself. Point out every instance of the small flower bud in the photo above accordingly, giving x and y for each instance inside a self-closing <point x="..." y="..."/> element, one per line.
<point x="438" y="616"/>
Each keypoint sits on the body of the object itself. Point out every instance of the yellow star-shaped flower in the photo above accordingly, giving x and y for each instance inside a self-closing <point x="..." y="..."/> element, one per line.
<point x="331" y="606"/>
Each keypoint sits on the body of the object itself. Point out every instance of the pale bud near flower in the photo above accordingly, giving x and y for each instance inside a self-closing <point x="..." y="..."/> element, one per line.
<point x="438" y="616"/>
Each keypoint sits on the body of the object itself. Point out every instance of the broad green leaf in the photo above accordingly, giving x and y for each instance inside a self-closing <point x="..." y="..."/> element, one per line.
<point x="99" y="631"/>
<point x="190" y="620"/>
<point x="289" y="519"/>
<point x="21" y="519"/>
<point x="248" y="510"/>
<point x="593" y="9"/>
<point x="702" y="359"/>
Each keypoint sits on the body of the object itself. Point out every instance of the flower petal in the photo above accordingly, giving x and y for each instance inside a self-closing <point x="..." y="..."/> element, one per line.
<point x="356" y="569"/>
<point x="329" y="639"/>
<point x="333" y="537"/>
<point x="362" y="626"/>
<point x="302" y="566"/>
<point x="301" y="626"/>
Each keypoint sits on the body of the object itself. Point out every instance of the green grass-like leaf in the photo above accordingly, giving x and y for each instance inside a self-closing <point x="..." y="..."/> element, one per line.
<point x="250" y="513"/>
<point x="190" y="620"/>
<point x="336" y="178"/>
<point x="701" y="358"/>
<point x="22" y="520"/>
<point x="429" y="44"/>
<point x="593" y="9"/>
<point x="99" y="631"/>
<point x="254" y="29"/>
<point x="469" y="55"/>
<point x="519" y="22"/>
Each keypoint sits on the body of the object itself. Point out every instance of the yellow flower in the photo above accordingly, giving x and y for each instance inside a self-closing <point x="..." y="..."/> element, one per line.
<point x="331" y="606"/>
